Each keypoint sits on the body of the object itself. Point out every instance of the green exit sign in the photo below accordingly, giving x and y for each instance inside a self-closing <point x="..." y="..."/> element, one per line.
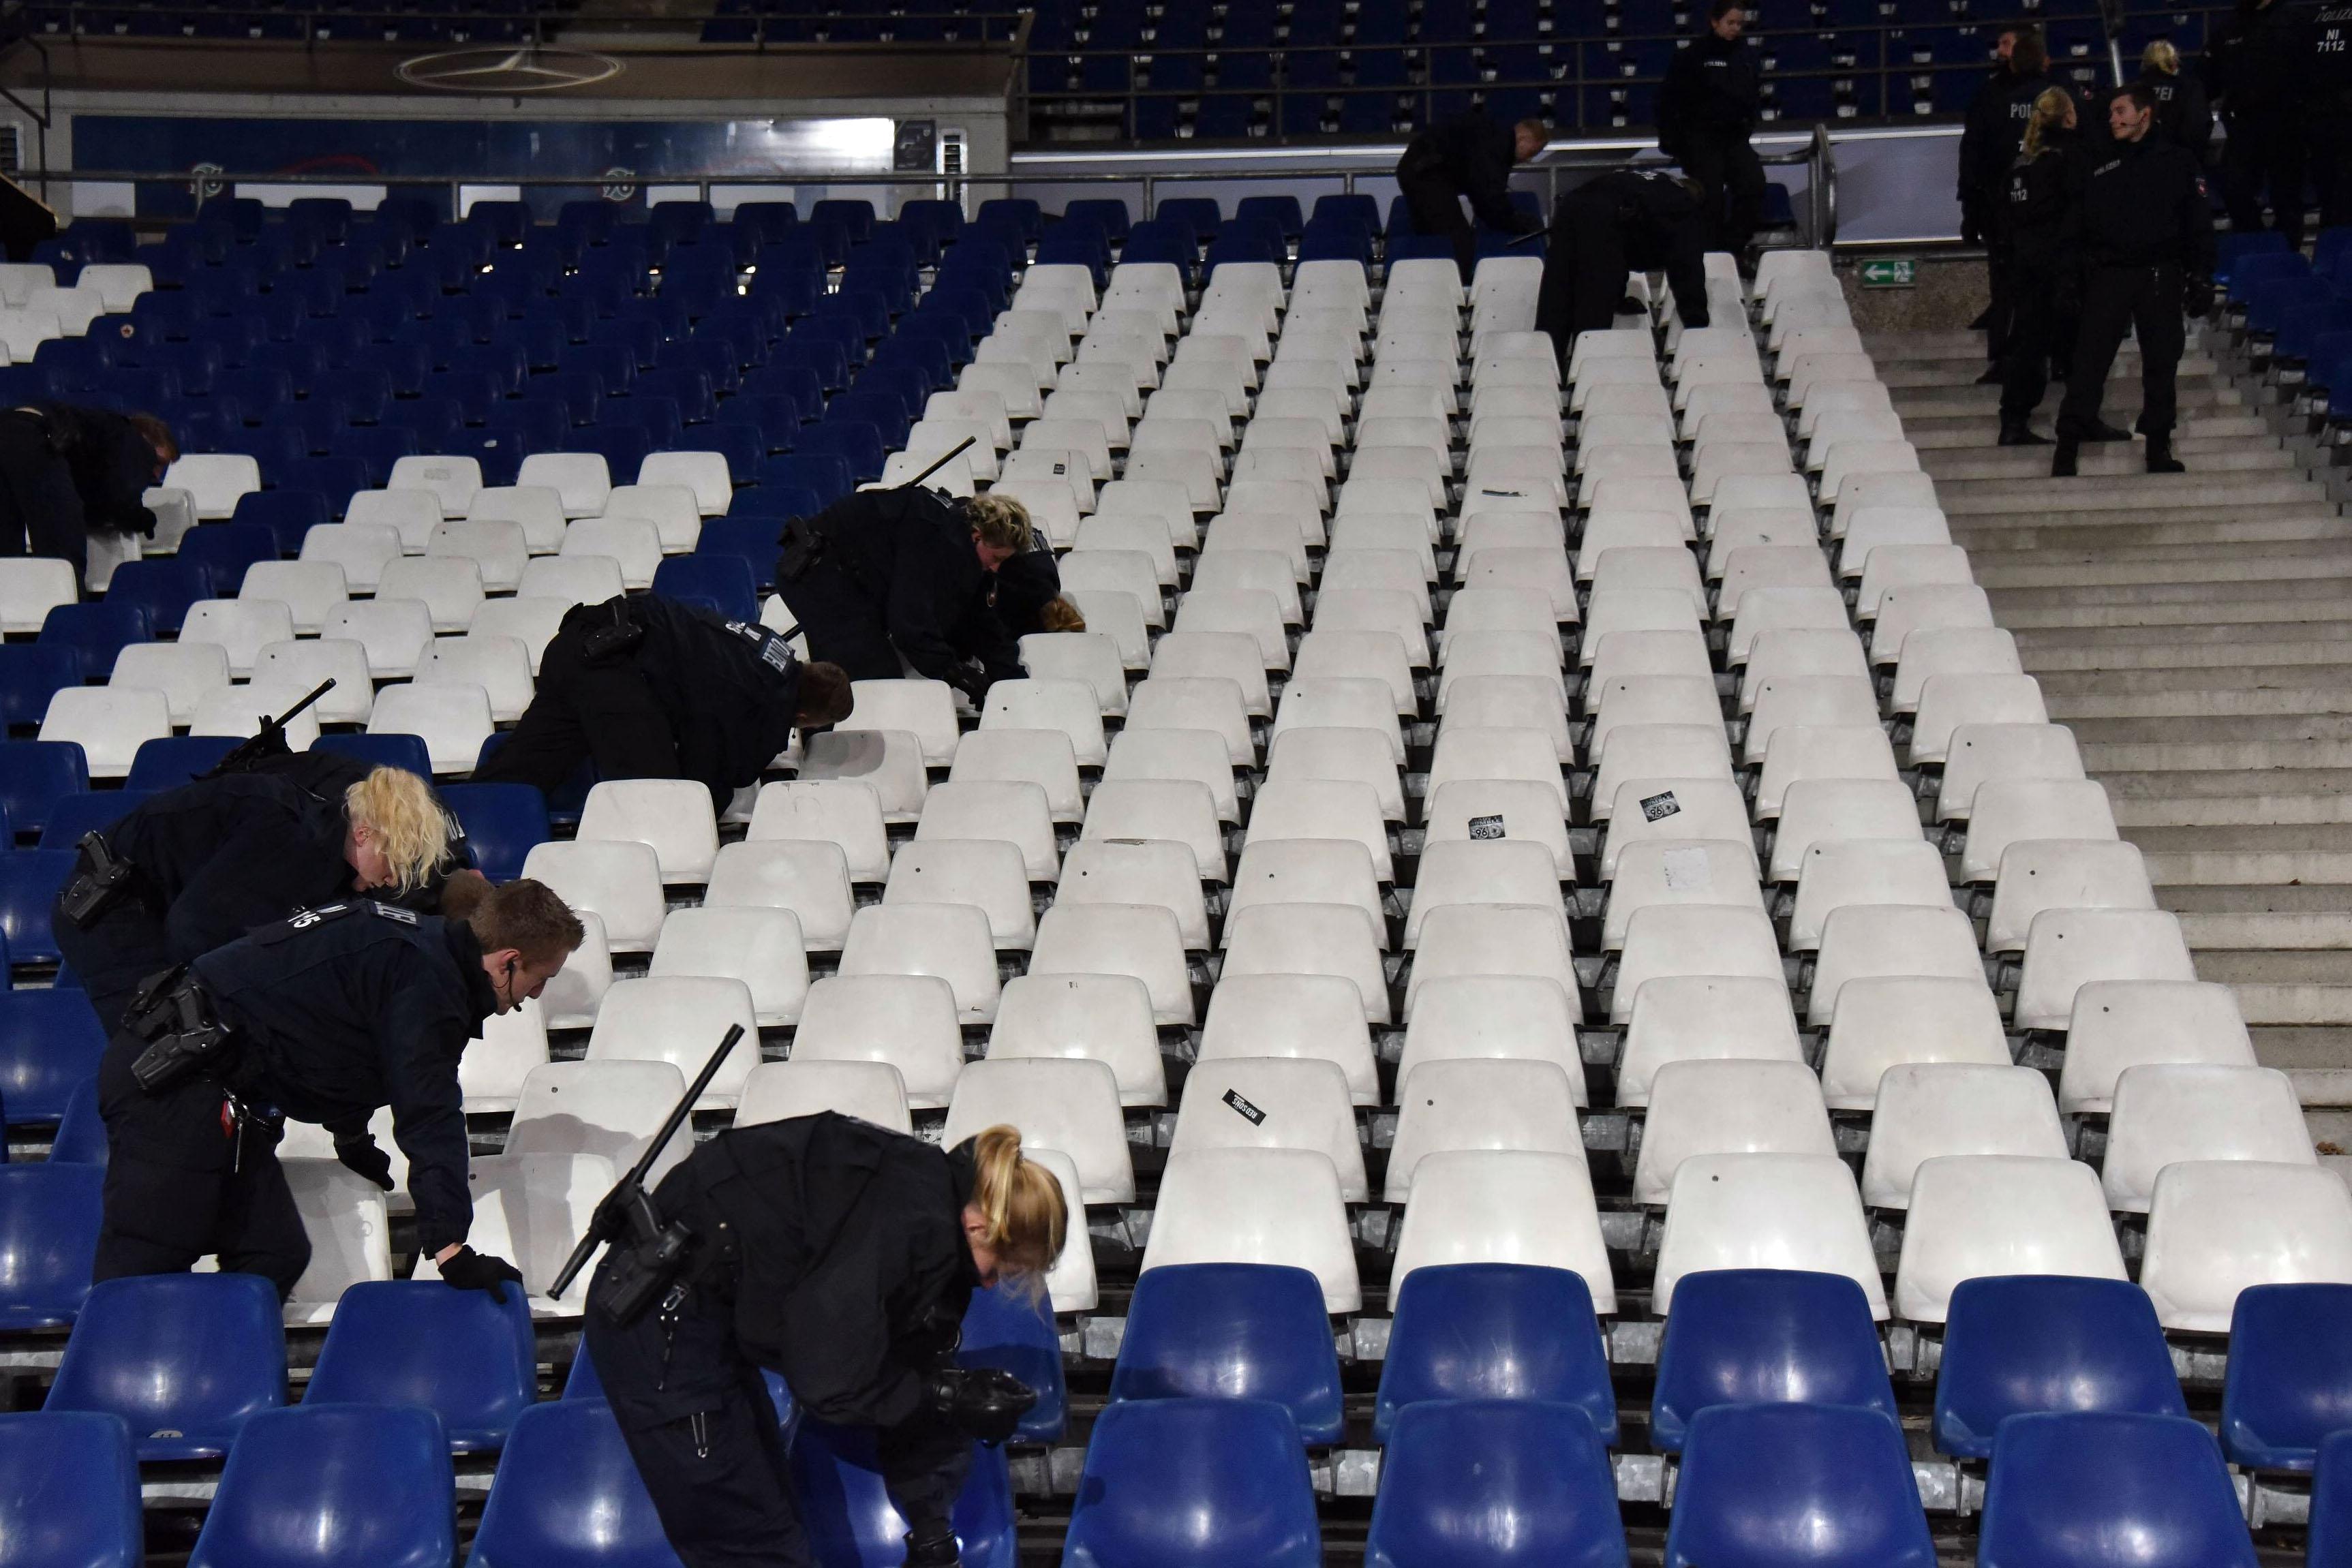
<point x="1890" y="272"/>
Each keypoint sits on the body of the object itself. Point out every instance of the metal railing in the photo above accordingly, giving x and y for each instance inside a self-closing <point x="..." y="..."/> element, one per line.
<point x="533" y="21"/>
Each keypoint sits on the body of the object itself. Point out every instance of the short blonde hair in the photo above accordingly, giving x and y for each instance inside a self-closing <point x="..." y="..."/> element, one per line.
<point x="1001" y="522"/>
<point x="1021" y="1204"/>
<point x="399" y="808"/>
<point x="2160" y="56"/>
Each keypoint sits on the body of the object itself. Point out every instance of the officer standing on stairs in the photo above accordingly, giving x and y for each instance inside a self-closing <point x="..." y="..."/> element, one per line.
<point x="2046" y="274"/>
<point x="2147" y="233"/>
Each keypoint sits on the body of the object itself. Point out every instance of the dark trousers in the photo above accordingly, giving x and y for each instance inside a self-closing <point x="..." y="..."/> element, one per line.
<point x="1436" y="208"/>
<point x="699" y="1423"/>
<point x="2114" y="299"/>
<point x="844" y="626"/>
<point x="2330" y="153"/>
<point x="185" y="1178"/>
<point x="2041" y="330"/>
<point x="119" y="951"/>
<point x="1731" y="177"/>
<point x="40" y="510"/>
<point x="2001" y="315"/>
<point x="1583" y="275"/>
<point x="603" y="709"/>
<point x="2264" y="156"/>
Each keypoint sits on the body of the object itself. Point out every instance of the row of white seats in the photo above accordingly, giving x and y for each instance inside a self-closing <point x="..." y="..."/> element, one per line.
<point x="582" y="483"/>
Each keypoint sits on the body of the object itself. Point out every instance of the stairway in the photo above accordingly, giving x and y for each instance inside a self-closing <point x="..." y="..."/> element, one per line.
<point x="2196" y="631"/>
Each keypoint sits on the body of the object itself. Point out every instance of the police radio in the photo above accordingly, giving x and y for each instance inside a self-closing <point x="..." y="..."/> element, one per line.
<point x="648" y="1254"/>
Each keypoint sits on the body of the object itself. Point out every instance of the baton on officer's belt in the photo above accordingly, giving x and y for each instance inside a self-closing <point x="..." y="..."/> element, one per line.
<point x="629" y="1192"/>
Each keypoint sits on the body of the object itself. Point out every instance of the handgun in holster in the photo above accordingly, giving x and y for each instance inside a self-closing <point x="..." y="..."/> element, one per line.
<point x="173" y="1013"/>
<point x="100" y="878"/>
<point x="647" y="1262"/>
<point x="803" y="547"/>
<point x="611" y="635"/>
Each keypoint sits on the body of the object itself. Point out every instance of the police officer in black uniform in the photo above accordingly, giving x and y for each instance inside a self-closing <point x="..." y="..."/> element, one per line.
<point x="651" y="688"/>
<point x="906" y="574"/>
<point x="2256" y="70"/>
<point x="1467" y="156"/>
<point x="1629" y="220"/>
<point x="2147" y="236"/>
<point x="2037" y="224"/>
<point x="195" y="868"/>
<point x="323" y="1017"/>
<point x="841" y="1256"/>
<point x="1708" y="109"/>
<point x="2327" y="107"/>
<point x="1988" y="144"/>
<point x="66" y="471"/>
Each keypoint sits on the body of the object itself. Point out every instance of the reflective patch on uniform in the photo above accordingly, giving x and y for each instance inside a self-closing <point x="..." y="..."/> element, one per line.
<point x="393" y="912"/>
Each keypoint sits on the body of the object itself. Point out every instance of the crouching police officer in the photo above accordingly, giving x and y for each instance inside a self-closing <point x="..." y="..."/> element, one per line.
<point x="841" y="1256"/>
<point x="197" y="867"/>
<point x="2147" y="237"/>
<point x="323" y="1017"/>
<point x="1630" y="220"/>
<point x="651" y="688"/>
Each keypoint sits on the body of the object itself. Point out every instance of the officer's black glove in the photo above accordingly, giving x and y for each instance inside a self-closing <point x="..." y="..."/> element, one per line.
<point x="933" y="1547"/>
<point x="984" y="1401"/>
<point x="2197" y="299"/>
<point x="470" y="1270"/>
<point x="972" y="682"/>
<point x="360" y="1153"/>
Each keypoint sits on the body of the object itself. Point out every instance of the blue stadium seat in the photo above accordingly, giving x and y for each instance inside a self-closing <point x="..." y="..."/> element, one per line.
<point x="1766" y="1336"/>
<point x="163" y="586"/>
<point x="856" y="443"/>
<point x="1281" y="212"/>
<point x="336" y="478"/>
<point x="718" y="582"/>
<point x="380" y="750"/>
<point x="286" y="515"/>
<point x="80" y="1137"/>
<point x="30" y="673"/>
<point x="49" y="1043"/>
<point x="1245" y="1331"/>
<point x="563" y="807"/>
<point x="1496" y="1332"/>
<point x="823" y="475"/>
<point x="72" y="1497"/>
<point x="333" y="1484"/>
<point x="2264" y="268"/>
<point x="1020" y="213"/>
<point x="377" y="447"/>
<point x="741" y="440"/>
<point x="624" y="447"/>
<point x="96" y="631"/>
<point x="224" y="549"/>
<point x="852" y="1523"/>
<point x="2290" y="1374"/>
<point x="1003" y="1328"/>
<point x="29" y="880"/>
<point x="2230" y="249"/>
<point x="1493" y="1483"/>
<point x="184" y="1358"/>
<point x="501" y="822"/>
<point x="458" y="1353"/>
<point x="74" y="815"/>
<point x="34" y="773"/>
<point x="2331" y="1505"/>
<point x="2033" y="1342"/>
<point x="2067" y="1490"/>
<point x="1194" y="1484"/>
<point x="750" y="539"/>
<point x="2268" y="302"/>
<point x="567" y="1495"/>
<point x="169" y="761"/>
<point x="1796" y="1486"/>
<point x="48" y="1237"/>
<point x="853" y="215"/>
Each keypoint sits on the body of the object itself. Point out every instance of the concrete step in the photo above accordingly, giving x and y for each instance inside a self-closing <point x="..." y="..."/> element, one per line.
<point x="2206" y="395"/>
<point x="2250" y="804"/>
<point x="2125" y="533"/>
<point x="1941" y="432"/>
<point x="2271" y="587"/>
<point x="1963" y="344"/>
<point x="2278" y="967"/>
<point x="2240" y="607"/>
<point x="2134" y="493"/>
<point x="2239" y="855"/>
<point x="2105" y="458"/>
<point x="2073" y="706"/>
<point x="2319" y="1059"/>
<point x="2278" y="898"/>
<point x="2221" y="755"/>
<point x="2003" y="570"/>
<point x="2283" y="933"/>
<point x="2138" y="682"/>
<point x="1964" y="373"/>
<point x="2191" y="642"/>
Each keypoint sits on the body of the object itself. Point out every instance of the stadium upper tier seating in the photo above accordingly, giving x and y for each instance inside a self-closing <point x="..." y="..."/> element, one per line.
<point x="1540" y="920"/>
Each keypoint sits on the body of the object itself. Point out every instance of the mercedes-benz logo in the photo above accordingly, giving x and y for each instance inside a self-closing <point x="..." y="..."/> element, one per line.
<point x="530" y="68"/>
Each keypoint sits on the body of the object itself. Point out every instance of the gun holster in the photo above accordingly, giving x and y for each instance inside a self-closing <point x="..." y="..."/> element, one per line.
<point x="175" y="1014"/>
<point x="99" y="882"/>
<point x="611" y="636"/>
<point x="647" y="1260"/>
<point x="803" y="549"/>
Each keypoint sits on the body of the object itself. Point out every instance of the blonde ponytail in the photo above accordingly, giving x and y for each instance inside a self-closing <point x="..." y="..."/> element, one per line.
<point x="1021" y="1204"/>
<point x="2050" y="110"/>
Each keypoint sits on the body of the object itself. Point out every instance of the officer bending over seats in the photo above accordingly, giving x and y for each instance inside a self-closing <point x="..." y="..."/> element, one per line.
<point x="322" y="1018"/>
<point x="1630" y="220"/>
<point x="1467" y="156"/>
<point x="67" y="472"/>
<point x="195" y="868"/>
<point x="650" y="689"/>
<point x="842" y="1256"/>
<point x="882" y="580"/>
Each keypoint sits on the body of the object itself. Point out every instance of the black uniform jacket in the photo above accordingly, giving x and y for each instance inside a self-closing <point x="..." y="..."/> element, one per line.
<point x="2036" y="217"/>
<point x="111" y="464"/>
<point x="1475" y="155"/>
<point x="218" y="857"/>
<point x="910" y="552"/>
<point x="1990" y="136"/>
<point x="846" y="1245"/>
<point x="2254" y="61"/>
<point x="2143" y="204"/>
<point x="1657" y="221"/>
<point x="356" y="1004"/>
<point x="733" y="689"/>
<point x="1025" y="584"/>
<point x="1711" y="90"/>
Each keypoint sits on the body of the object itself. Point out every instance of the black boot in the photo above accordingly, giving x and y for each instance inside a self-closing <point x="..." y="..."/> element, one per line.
<point x="2160" y="459"/>
<point x="2062" y="460"/>
<point x="1983" y="320"/>
<point x="2102" y="431"/>
<point x="1991" y="377"/>
<point x="2017" y="433"/>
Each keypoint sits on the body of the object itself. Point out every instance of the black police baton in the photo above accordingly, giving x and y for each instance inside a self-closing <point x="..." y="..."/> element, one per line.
<point x="269" y="740"/>
<point x="947" y="457"/>
<point x="628" y="1203"/>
